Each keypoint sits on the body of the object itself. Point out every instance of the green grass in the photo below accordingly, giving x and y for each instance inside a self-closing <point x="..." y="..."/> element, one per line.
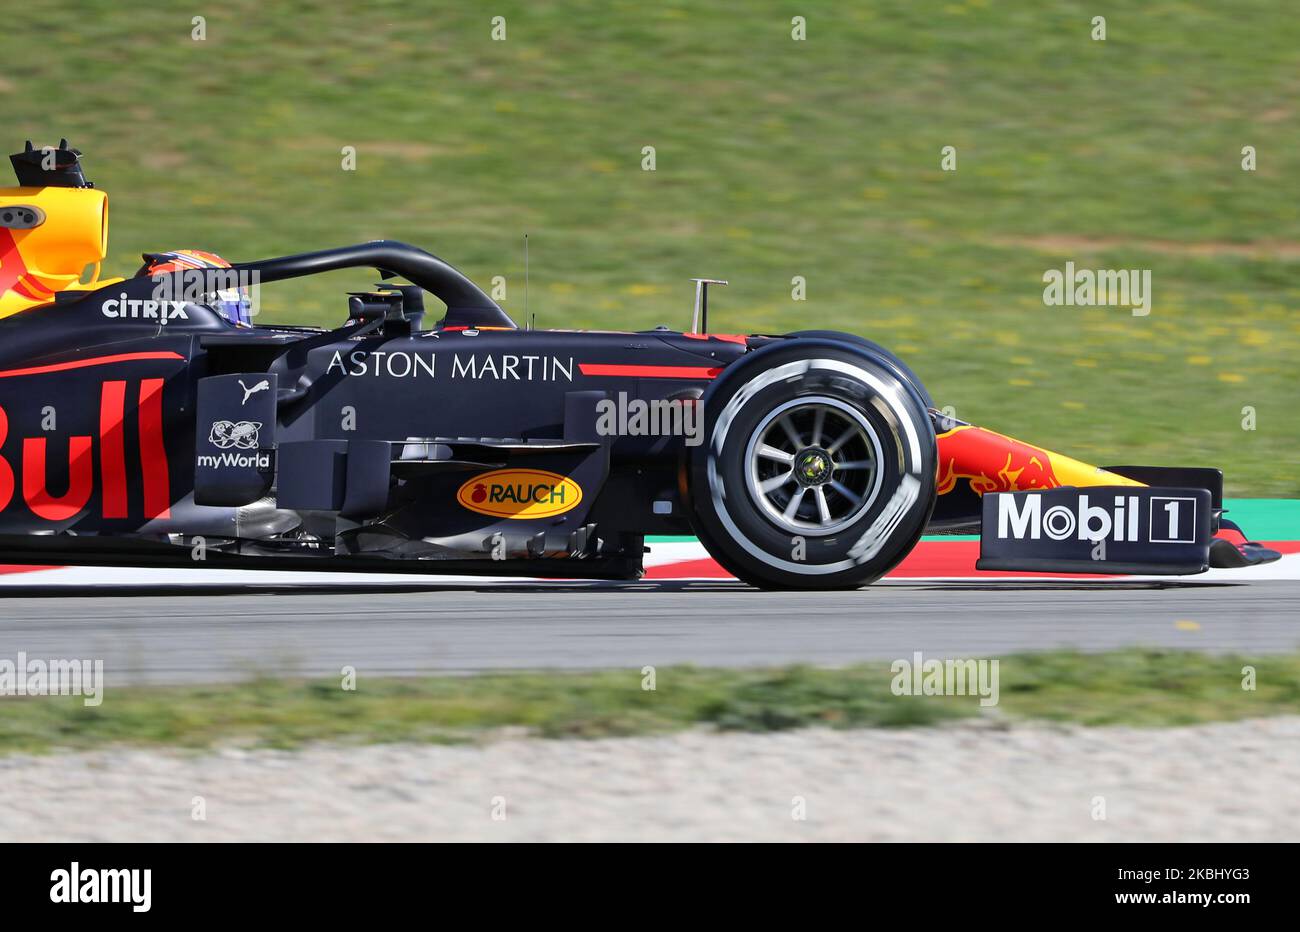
<point x="775" y="159"/>
<point x="1138" y="687"/>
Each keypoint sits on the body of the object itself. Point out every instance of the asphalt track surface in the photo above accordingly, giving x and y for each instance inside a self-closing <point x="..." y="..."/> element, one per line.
<point x="216" y="634"/>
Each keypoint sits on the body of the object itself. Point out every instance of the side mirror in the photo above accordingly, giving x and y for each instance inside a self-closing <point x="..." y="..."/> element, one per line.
<point x="379" y="307"/>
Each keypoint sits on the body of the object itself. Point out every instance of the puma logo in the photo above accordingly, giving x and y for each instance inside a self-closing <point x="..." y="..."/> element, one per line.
<point x="261" y="386"/>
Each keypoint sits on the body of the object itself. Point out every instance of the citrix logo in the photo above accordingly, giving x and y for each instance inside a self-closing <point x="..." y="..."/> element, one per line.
<point x="136" y="309"/>
<point x="1085" y="522"/>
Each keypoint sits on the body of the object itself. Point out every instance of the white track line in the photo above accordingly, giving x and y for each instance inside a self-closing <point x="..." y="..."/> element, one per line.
<point x="110" y="576"/>
<point x="662" y="554"/>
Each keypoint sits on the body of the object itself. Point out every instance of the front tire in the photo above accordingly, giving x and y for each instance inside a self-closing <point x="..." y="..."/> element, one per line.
<point x="817" y="469"/>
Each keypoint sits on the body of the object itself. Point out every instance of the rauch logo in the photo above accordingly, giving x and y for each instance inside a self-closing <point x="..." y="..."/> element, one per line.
<point x="520" y="493"/>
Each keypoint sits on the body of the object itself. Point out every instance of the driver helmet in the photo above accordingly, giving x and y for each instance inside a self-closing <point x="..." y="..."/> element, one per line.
<point x="234" y="304"/>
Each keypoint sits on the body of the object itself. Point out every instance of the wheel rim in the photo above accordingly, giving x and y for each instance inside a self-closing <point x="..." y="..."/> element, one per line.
<point x="813" y="465"/>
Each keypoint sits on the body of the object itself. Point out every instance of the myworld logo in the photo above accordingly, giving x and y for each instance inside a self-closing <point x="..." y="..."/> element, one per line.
<point x="239" y="460"/>
<point x="1085" y="521"/>
<point x="242" y="435"/>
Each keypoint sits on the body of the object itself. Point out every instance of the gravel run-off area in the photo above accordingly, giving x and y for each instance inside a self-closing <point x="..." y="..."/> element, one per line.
<point x="966" y="782"/>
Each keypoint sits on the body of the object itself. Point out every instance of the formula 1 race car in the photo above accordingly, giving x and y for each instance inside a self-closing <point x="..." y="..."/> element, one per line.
<point x="146" y="421"/>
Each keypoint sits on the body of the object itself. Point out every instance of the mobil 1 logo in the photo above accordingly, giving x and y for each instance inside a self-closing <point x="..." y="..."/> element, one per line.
<point x="1121" y="526"/>
<point x="1172" y="519"/>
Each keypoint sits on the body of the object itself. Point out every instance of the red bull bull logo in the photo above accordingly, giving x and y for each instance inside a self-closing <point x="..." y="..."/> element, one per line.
<point x="994" y="462"/>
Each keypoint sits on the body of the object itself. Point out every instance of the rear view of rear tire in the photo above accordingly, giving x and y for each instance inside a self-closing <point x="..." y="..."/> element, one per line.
<point x="817" y="469"/>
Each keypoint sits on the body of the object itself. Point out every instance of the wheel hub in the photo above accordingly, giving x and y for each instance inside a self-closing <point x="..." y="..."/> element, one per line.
<point x="812" y="467"/>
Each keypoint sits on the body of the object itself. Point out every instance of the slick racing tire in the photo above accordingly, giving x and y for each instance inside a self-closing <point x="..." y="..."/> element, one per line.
<point x="817" y="467"/>
<point x="903" y="369"/>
